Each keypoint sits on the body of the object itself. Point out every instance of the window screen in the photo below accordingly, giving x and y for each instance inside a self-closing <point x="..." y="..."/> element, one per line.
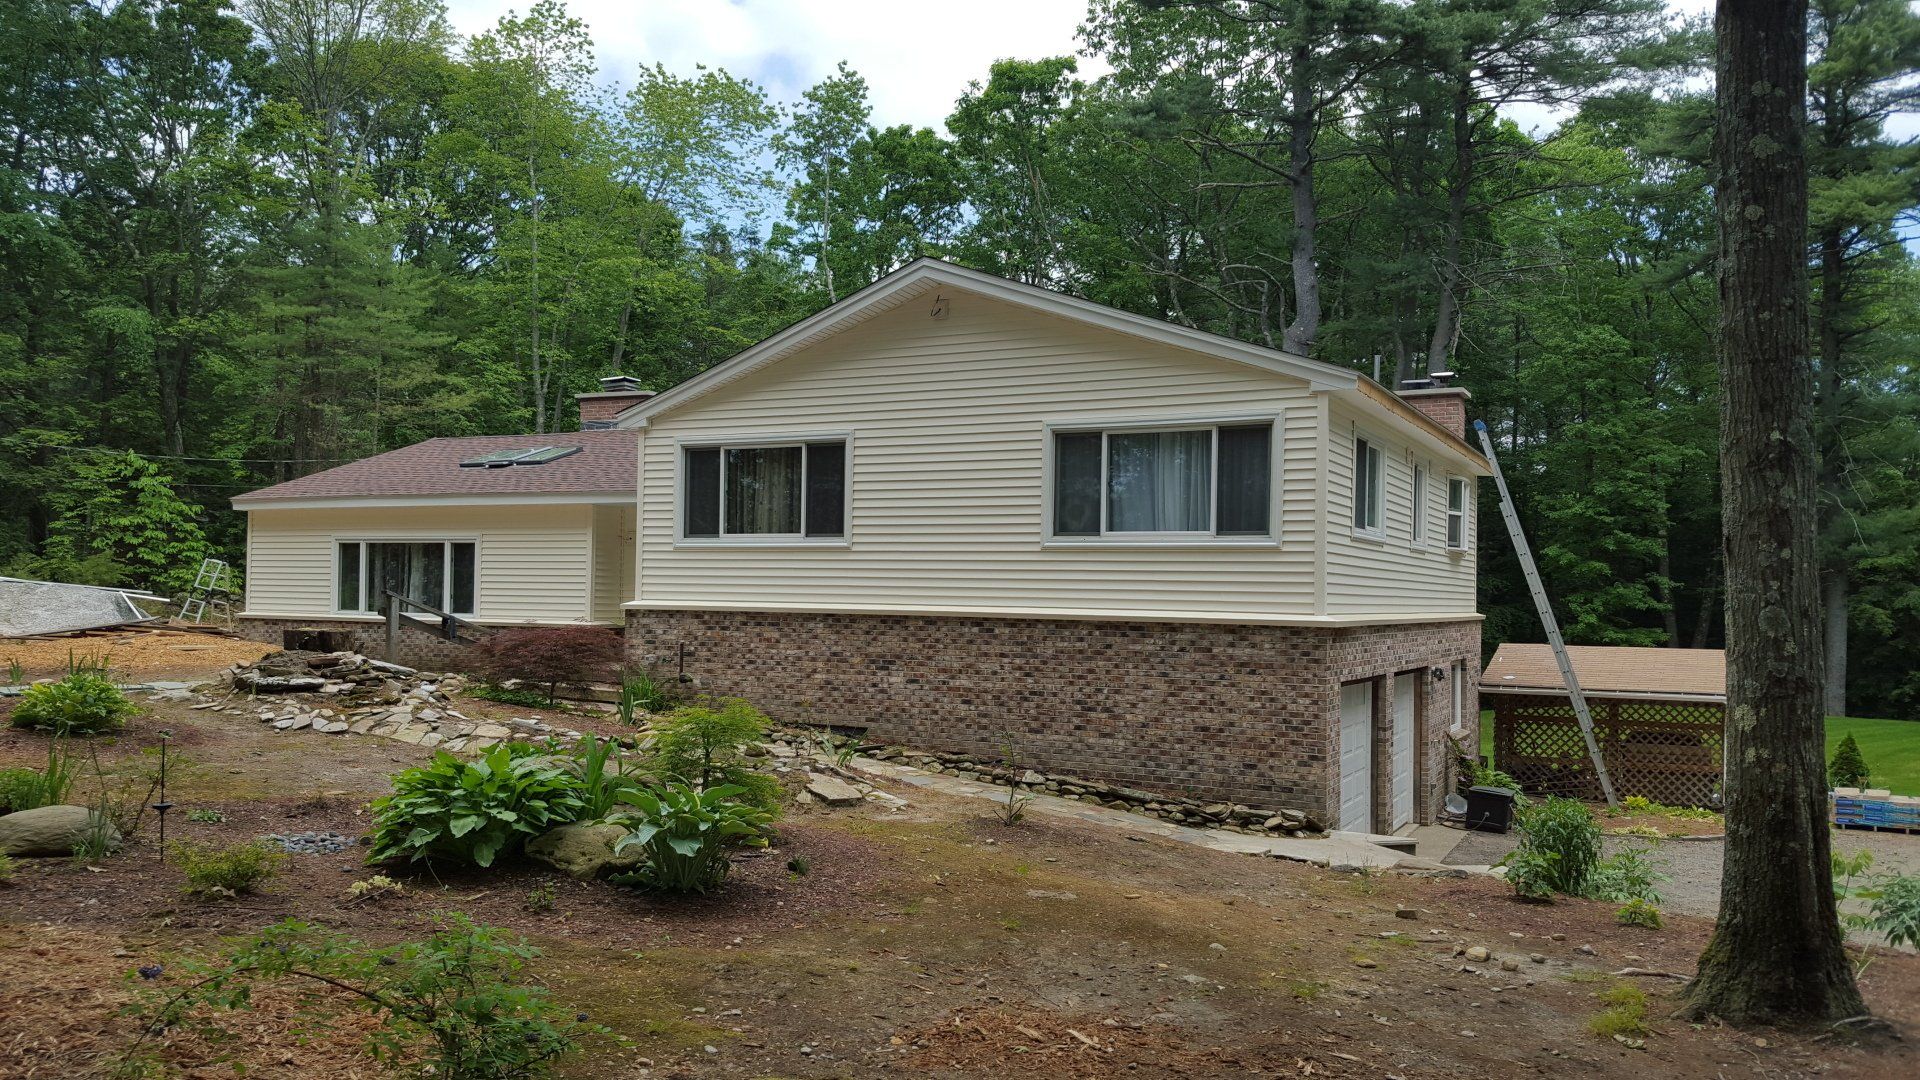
<point x="1076" y="484"/>
<point x="826" y="489"/>
<point x="347" y="597"/>
<point x="1246" y="477"/>
<point x="702" y="514"/>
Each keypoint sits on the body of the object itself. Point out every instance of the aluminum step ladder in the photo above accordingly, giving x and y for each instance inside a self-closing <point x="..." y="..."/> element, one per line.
<point x="211" y="591"/>
<point x="1547" y="620"/>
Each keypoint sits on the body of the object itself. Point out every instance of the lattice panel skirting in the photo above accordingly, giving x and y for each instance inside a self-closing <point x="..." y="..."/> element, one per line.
<point x="1667" y="751"/>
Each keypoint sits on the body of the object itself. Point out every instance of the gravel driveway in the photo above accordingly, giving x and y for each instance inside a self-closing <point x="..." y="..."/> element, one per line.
<point x="1692" y="867"/>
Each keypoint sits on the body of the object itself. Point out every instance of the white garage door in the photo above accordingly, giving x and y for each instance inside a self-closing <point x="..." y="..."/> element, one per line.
<point x="1404" y="687"/>
<point x="1356" y="757"/>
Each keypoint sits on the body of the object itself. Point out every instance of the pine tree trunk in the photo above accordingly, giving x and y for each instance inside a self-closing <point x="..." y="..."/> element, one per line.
<point x="1834" y="599"/>
<point x="1776" y="955"/>
<point x="1305" y="327"/>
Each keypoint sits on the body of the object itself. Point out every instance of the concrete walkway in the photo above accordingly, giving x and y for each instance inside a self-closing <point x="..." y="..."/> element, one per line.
<point x="1338" y="849"/>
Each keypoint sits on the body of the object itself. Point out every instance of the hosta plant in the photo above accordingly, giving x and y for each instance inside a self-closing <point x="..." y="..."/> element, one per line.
<point x="473" y="811"/>
<point x="687" y="834"/>
<point x="83" y="703"/>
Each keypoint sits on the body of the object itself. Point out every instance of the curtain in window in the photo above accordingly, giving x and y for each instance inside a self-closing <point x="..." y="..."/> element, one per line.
<point x="416" y="571"/>
<point x="1159" y="481"/>
<point x="763" y="490"/>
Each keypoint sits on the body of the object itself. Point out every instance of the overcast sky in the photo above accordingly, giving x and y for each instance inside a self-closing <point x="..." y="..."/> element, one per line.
<point x="916" y="57"/>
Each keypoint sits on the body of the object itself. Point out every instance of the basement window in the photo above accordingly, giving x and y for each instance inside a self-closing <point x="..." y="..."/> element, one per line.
<point x="779" y="491"/>
<point x="1212" y="481"/>
<point x="435" y="572"/>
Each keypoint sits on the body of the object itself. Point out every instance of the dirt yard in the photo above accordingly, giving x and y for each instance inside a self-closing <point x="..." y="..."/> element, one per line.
<point x="925" y="941"/>
<point x="133" y="654"/>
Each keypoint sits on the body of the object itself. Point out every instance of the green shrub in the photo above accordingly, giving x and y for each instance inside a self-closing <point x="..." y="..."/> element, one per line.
<point x="1848" y="767"/>
<point x="1896" y="911"/>
<point x="686" y="834"/>
<point x="705" y="745"/>
<point x="19" y="790"/>
<point x="83" y="703"/>
<point x="473" y="811"/>
<point x="1624" y="877"/>
<point x="453" y="1006"/>
<point x="1559" y="846"/>
<point x="6" y="869"/>
<point x="229" y="869"/>
<point x="1638" y="912"/>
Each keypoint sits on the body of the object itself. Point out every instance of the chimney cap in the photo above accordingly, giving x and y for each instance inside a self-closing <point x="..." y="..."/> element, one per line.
<point x="619" y="384"/>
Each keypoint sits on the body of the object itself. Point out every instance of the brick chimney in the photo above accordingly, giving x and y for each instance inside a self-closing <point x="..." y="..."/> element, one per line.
<point x="617" y="394"/>
<point x="1444" y="405"/>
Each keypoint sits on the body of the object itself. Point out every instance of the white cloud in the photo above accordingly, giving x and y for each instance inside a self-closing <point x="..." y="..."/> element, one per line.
<point x="917" y="58"/>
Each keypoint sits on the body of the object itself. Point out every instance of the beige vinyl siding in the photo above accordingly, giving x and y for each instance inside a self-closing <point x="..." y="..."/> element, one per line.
<point x="1392" y="575"/>
<point x="947" y="421"/>
<point x="533" y="562"/>
<point x="612" y="560"/>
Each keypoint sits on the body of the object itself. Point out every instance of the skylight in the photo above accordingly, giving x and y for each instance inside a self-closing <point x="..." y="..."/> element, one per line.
<point x="501" y="459"/>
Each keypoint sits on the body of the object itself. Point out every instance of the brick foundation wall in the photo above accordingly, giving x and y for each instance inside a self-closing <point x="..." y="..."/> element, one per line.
<point x="1248" y="713"/>
<point x="418" y="647"/>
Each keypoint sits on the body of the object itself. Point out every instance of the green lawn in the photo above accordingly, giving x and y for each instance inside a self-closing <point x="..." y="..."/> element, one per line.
<point x="1891" y="747"/>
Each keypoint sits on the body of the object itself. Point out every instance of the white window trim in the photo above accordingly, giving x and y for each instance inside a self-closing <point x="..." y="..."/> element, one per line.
<point x="446" y="543"/>
<point x="1377" y="532"/>
<point x="1466" y="514"/>
<point x="1208" y="539"/>
<point x="760" y="441"/>
<point x="1457" y="675"/>
<point x="1422" y="484"/>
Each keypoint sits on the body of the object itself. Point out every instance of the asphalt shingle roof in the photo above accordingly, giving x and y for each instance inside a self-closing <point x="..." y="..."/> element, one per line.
<point x="1610" y="669"/>
<point x="607" y="462"/>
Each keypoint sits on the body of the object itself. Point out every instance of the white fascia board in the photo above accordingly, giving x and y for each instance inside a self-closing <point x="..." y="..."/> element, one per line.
<point x="1227" y="617"/>
<point x="362" y="502"/>
<point x="894" y="289"/>
<point x="1463" y="458"/>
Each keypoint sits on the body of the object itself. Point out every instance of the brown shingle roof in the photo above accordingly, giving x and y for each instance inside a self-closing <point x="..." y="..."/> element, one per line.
<point x="1611" y="670"/>
<point x="607" y="462"/>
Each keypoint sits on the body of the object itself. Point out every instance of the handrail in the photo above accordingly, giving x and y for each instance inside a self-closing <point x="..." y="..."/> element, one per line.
<point x="449" y="622"/>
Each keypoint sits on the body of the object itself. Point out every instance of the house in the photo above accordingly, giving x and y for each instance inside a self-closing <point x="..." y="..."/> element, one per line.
<point x="1658" y="716"/>
<point x="502" y="530"/>
<point x="966" y="513"/>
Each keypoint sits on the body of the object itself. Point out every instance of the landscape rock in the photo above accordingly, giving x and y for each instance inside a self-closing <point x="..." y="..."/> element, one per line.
<point x="1478" y="954"/>
<point x="833" y="791"/>
<point x="585" y="851"/>
<point x="49" y="831"/>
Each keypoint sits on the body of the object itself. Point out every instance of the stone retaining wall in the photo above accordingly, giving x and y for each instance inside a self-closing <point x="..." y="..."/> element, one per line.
<point x="419" y="647"/>
<point x="1240" y="713"/>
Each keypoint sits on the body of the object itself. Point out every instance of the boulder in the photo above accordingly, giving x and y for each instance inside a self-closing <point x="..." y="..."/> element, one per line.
<point x="585" y="851"/>
<point x="49" y="831"/>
